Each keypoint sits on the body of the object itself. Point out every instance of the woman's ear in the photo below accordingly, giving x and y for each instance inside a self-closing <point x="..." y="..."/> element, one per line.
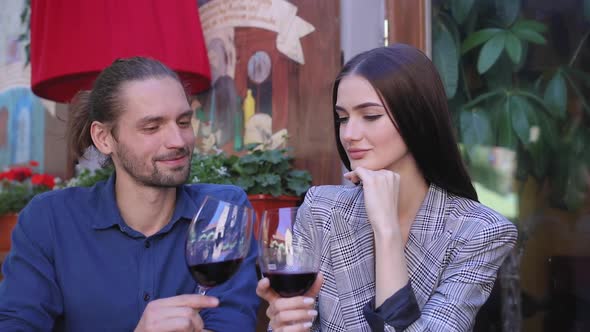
<point x="102" y="137"/>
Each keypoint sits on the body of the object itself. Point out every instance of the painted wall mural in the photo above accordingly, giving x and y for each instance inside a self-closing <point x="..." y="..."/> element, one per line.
<point x="247" y="104"/>
<point x="22" y="124"/>
<point x="22" y="114"/>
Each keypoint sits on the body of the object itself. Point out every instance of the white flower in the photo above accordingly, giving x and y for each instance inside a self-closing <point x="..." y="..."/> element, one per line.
<point x="222" y="171"/>
<point x="534" y="133"/>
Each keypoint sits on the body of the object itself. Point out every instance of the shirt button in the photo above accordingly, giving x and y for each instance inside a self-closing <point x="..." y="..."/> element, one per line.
<point x="146" y="297"/>
<point x="147" y="244"/>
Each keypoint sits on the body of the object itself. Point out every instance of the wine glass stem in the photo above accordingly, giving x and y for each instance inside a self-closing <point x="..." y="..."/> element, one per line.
<point x="201" y="290"/>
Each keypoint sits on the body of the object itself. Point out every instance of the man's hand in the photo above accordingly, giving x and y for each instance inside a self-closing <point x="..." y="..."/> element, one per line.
<point x="177" y="313"/>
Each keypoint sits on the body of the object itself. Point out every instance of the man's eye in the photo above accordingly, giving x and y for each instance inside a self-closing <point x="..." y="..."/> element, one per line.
<point x="184" y="123"/>
<point x="150" y="128"/>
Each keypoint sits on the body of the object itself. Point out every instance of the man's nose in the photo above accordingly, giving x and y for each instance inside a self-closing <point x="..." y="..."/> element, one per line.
<point x="175" y="137"/>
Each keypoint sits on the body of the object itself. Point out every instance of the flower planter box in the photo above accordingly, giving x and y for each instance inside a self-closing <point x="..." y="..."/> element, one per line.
<point x="264" y="202"/>
<point x="7" y="223"/>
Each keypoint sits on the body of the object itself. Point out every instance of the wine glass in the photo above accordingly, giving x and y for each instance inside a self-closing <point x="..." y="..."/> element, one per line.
<point x="288" y="256"/>
<point x="218" y="240"/>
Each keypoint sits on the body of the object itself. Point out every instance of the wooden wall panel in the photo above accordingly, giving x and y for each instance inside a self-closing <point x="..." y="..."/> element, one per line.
<point x="310" y="106"/>
<point x="407" y="22"/>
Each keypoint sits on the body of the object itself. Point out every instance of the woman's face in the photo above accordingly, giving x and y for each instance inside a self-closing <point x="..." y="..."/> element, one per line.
<point x="366" y="131"/>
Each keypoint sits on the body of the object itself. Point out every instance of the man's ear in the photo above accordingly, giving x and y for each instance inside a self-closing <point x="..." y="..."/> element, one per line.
<point x="102" y="137"/>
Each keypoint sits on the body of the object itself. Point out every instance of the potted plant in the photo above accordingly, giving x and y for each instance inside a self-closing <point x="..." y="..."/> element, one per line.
<point x="18" y="185"/>
<point x="266" y="175"/>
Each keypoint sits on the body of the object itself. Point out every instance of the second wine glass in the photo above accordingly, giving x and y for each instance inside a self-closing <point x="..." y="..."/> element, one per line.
<point x="288" y="255"/>
<point x="217" y="242"/>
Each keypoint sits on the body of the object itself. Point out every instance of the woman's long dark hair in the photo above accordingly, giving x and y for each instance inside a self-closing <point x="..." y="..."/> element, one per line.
<point x="412" y="91"/>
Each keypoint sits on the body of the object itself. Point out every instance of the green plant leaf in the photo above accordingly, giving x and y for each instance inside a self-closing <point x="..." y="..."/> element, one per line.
<point x="519" y="109"/>
<point x="513" y="47"/>
<point x="507" y="11"/>
<point x="530" y="25"/>
<point x="587" y="10"/>
<point x="548" y="131"/>
<point x="298" y="181"/>
<point x="539" y="155"/>
<point x="475" y="128"/>
<point x="490" y="52"/>
<point x="506" y="136"/>
<point x="556" y="95"/>
<point x="479" y="37"/>
<point x="446" y="59"/>
<point x="453" y="28"/>
<point x="460" y="9"/>
<point x="245" y="183"/>
<point x="523" y="55"/>
<point x="499" y="77"/>
<point x="529" y="35"/>
<point x="483" y="97"/>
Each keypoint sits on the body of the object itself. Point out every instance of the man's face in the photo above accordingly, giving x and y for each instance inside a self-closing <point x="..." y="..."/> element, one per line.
<point x="154" y="137"/>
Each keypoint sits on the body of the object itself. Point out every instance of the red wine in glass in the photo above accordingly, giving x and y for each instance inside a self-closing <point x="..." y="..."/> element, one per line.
<point x="289" y="284"/>
<point x="217" y="241"/>
<point x="214" y="273"/>
<point x="288" y="251"/>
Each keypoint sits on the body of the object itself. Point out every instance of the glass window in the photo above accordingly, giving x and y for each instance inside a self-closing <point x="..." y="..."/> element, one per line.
<point x="517" y="75"/>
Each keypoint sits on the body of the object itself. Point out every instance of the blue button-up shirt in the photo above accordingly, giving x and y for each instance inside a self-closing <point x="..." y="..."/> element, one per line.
<point x="76" y="266"/>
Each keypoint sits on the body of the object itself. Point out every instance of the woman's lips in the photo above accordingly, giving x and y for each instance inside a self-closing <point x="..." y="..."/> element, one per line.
<point x="357" y="153"/>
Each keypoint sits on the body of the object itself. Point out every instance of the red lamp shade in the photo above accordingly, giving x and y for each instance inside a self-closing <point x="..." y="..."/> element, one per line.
<point x="73" y="40"/>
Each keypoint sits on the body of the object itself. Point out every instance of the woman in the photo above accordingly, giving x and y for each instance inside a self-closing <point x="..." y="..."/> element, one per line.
<point x="408" y="247"/>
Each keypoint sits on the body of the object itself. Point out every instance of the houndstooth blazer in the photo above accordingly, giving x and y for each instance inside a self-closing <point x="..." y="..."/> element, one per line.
<point x="454" y="250"/>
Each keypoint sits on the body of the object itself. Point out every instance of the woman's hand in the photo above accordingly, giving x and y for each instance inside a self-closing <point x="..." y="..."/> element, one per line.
<point x="290" y="314"/>
<point x="381" y="191"/>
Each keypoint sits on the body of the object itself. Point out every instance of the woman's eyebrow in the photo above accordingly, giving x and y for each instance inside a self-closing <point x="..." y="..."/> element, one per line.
<point x="359" y="106"/>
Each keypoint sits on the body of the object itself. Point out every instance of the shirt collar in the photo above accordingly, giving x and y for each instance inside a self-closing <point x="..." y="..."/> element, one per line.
<point x="104" y="196"/>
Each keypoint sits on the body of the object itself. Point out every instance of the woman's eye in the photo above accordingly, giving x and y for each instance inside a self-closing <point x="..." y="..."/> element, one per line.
<point x="372" y="117"/>
<point x="342" y="120"/>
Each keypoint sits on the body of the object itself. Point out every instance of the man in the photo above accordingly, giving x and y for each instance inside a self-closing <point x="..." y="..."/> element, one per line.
<point x="111" y="257"/>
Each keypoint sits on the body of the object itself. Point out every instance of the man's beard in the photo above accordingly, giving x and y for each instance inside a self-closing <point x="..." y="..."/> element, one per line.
<point x="140" y="172"/>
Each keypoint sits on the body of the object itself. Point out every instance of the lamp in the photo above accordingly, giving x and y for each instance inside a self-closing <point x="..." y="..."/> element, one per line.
<point x="73" y="40"/>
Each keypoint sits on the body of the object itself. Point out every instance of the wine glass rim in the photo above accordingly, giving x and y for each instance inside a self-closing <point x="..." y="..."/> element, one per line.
<point x="214" y="198"/>
<point x="292" y="209"/>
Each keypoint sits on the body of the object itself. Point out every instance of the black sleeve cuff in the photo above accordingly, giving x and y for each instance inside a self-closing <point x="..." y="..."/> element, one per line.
<point x="400" y="310"/>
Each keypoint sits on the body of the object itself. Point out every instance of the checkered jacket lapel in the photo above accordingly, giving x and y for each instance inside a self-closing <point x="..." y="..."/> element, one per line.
<point x="427" y="244"/>
<point x="351" y="251"/>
